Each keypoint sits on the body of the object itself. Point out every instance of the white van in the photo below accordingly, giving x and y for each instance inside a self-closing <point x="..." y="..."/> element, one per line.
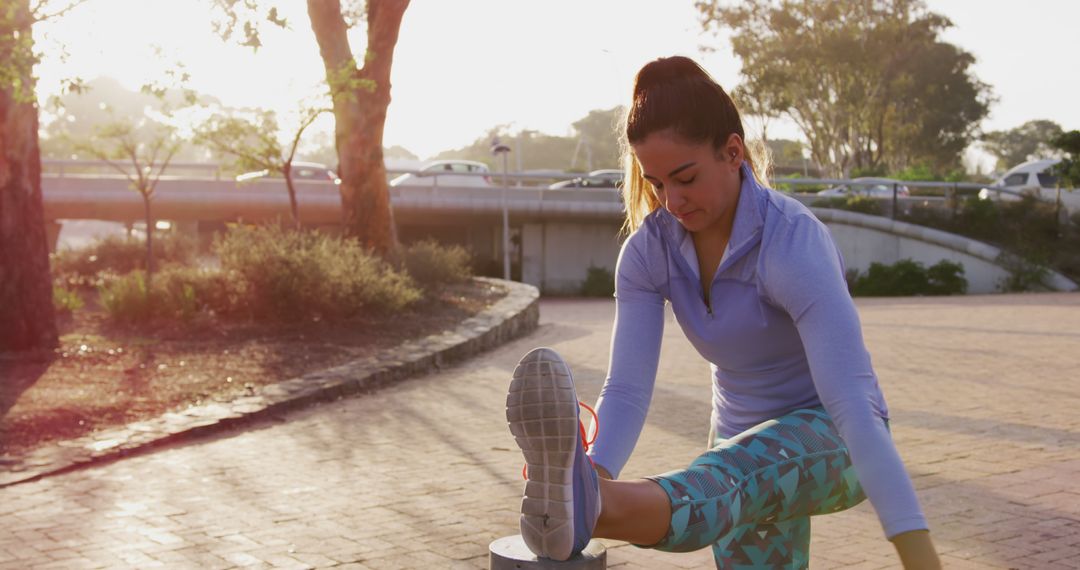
<point x="1033" y="177"/>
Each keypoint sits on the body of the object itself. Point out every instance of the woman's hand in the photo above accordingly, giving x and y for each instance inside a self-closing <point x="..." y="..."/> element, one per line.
<point x="916" y="550"/>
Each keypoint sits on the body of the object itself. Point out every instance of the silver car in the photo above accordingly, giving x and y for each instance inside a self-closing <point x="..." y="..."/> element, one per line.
<point x="868" y="187"/>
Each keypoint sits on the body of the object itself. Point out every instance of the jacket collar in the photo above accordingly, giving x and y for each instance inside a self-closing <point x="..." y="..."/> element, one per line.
<point x="745" y="230"/>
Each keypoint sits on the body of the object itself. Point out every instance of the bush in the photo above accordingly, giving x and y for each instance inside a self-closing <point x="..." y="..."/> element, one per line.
<point x="66" y="301"/>
<point x="1024" y="275"/>
<point x="599" y="282"/>
<point x="128" y="298"/>
<point x="431" y="264"/>
<point x="860" y="204"/>
<point x="292" y="275"/>
<point x="909" y="278"/>
<point x="92" y="265"/>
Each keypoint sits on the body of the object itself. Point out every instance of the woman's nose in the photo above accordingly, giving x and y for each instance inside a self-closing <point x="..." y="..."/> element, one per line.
<point x="674" y="197"/>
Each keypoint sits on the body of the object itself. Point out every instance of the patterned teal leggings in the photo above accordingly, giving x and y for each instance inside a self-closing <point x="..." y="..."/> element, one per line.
<point x="751" y="496"/>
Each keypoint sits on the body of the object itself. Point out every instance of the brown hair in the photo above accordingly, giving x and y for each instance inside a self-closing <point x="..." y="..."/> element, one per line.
<point x="674" y="93"/>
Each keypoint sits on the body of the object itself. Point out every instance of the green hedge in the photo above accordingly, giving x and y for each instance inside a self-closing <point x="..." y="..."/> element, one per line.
<point x="908" y="278"/>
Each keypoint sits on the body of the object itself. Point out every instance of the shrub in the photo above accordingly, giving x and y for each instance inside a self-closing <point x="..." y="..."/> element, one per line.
<point x="1025" y="228"/>
<point x="599" y="282"/>
<point x="860" y="204"/>
<point x="432" y="264"/>
<point x="292" y="275"/>
<point x="1024" y="275"/>
<point x="66" y="301"/>
<point x="128" y="298"/>
<point x="91" y="265"/>
<point x="908" y="278"/>
<point x="185" y="292"/>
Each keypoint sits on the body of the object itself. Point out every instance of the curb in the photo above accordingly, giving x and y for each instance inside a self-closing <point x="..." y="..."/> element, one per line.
<point x="510" y="317"/>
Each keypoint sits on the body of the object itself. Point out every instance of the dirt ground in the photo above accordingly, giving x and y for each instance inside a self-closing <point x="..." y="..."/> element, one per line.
<point x="104" y="375"/>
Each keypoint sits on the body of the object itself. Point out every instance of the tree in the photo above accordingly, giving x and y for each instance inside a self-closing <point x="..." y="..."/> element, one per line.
<point x="360" y="95"/>
<point x="73" y="116"/>
<point x="534" y="149"/>
<point x="27" y="316"/>
<point x="1017" y="145"/>
<point x="1069" y="167"/>
<point x="140" y="152"/>
<point x="869" y="84"/>
<point x="594" y="145"/>
<point x="253" y="143"/>
<point x="598" y="132"/>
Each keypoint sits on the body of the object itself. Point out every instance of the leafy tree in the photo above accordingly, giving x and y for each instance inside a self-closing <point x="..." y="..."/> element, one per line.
<point x="594" y="145"/>
<point x="1017" y="145"/>
<point x="536" y="150"/>
<point x="598" y="132"/>
<point x="27" y="315"/>
<point x="141" y="153"/>
<point x="253" y="143"/>
<point x="1068" y="170"/>
<point x="867" y="83"/>
<point x="74" y="115"/>
<point x="360" y="95"/>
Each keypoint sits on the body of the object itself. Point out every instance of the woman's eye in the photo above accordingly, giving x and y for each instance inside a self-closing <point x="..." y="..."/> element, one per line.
<point x="689" y="181"/>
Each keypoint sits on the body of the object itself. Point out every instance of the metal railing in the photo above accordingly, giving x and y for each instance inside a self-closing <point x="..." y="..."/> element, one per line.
<point x="533" y="180"/>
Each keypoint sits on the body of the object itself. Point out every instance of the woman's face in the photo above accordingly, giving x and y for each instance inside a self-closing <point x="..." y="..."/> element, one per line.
<point x="696" y="182"/>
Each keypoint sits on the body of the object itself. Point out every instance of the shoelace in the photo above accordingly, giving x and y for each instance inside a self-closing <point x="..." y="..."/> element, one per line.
<point x="585" y="441"/>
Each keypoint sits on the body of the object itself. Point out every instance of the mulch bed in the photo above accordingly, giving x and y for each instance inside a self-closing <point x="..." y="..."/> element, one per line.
<point x="104" y="375"/>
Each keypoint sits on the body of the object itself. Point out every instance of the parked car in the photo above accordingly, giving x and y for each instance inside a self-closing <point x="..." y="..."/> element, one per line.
<point x="447" y="173"/>
<point x="606" y="178"/>
<point x="1036" y="178"/>
<point x="869" y="187"/>
<point x="302" y="171"/>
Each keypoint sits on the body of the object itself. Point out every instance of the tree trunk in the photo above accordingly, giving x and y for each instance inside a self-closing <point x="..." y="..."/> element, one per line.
<point x="27" y="317"/>
<point x="360" y="98"/>
<point x="149" y="236"/>
<point x="294" y="207"/>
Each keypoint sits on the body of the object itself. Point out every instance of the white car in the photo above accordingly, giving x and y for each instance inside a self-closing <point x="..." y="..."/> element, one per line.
<point x="606" y="178"/>
<point x="869" y="187"/>
<point x="448" y="173"/>
<point x="1036" y="178"/>
<point x="301" y="171"/>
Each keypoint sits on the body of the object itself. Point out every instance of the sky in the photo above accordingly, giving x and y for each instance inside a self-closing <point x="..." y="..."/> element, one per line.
<point x="462" y="67"/>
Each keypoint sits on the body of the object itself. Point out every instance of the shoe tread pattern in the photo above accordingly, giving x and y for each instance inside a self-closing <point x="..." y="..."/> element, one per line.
<point x="542" y="411"/>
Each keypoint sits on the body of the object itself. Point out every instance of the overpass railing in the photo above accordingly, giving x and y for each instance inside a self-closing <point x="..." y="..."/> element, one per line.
<point x="934" y="193"/>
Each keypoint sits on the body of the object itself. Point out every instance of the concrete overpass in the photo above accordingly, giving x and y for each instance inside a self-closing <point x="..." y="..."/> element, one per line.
<point x="556" y="234"/>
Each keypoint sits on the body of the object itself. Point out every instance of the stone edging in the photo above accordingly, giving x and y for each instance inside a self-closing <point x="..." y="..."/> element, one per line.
<point x="1056" y="281"/>
<point x="515" y="314"/>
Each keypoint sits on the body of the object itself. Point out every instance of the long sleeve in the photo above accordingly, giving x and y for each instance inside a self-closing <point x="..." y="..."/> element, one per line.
<point x="635" y="356"/>
<point x="803" y="274"/>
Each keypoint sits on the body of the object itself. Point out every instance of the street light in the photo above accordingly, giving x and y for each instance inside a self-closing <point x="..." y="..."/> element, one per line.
<point x="498" y="148"/>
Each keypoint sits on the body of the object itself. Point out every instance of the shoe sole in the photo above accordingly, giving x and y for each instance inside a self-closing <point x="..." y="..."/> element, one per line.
<point x="542" y="410"/>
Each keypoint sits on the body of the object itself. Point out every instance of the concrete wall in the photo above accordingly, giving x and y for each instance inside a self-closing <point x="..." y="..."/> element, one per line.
<point x="556" y="256"/>
<point x="865" y="239"/>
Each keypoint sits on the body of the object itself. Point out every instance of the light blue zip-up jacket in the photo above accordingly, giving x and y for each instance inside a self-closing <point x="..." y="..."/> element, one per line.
<point x="781" y="334"/>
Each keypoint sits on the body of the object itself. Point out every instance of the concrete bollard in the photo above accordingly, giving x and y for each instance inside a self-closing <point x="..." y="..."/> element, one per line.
<point x="510" y="553"/>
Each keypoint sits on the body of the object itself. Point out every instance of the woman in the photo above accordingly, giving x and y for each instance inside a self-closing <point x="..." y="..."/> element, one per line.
<point x="799" y="423"/>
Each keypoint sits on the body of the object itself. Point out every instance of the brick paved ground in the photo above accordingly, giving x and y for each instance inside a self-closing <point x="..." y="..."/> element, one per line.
<point x="983" y="390"/>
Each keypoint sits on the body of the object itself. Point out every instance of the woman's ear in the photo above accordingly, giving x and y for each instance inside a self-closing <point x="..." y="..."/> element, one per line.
<point x="733" y="150"/>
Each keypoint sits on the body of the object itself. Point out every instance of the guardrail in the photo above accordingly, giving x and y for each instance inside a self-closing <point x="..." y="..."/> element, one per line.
<point x="62" y="168"/>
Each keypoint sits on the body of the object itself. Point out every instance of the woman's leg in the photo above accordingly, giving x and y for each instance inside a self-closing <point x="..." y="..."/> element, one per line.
<point x="785" y="544"/>
<point x="782" y="470"/>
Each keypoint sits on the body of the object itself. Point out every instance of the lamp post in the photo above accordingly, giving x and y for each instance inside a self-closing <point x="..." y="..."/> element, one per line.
<point x="498" y="148"/>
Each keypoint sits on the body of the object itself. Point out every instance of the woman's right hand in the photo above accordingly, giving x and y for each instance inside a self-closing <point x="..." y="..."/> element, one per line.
<point x="916" y="550"/>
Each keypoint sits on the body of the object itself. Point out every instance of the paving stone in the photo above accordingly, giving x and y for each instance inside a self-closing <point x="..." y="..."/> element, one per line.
<point x="423" y="473"/>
